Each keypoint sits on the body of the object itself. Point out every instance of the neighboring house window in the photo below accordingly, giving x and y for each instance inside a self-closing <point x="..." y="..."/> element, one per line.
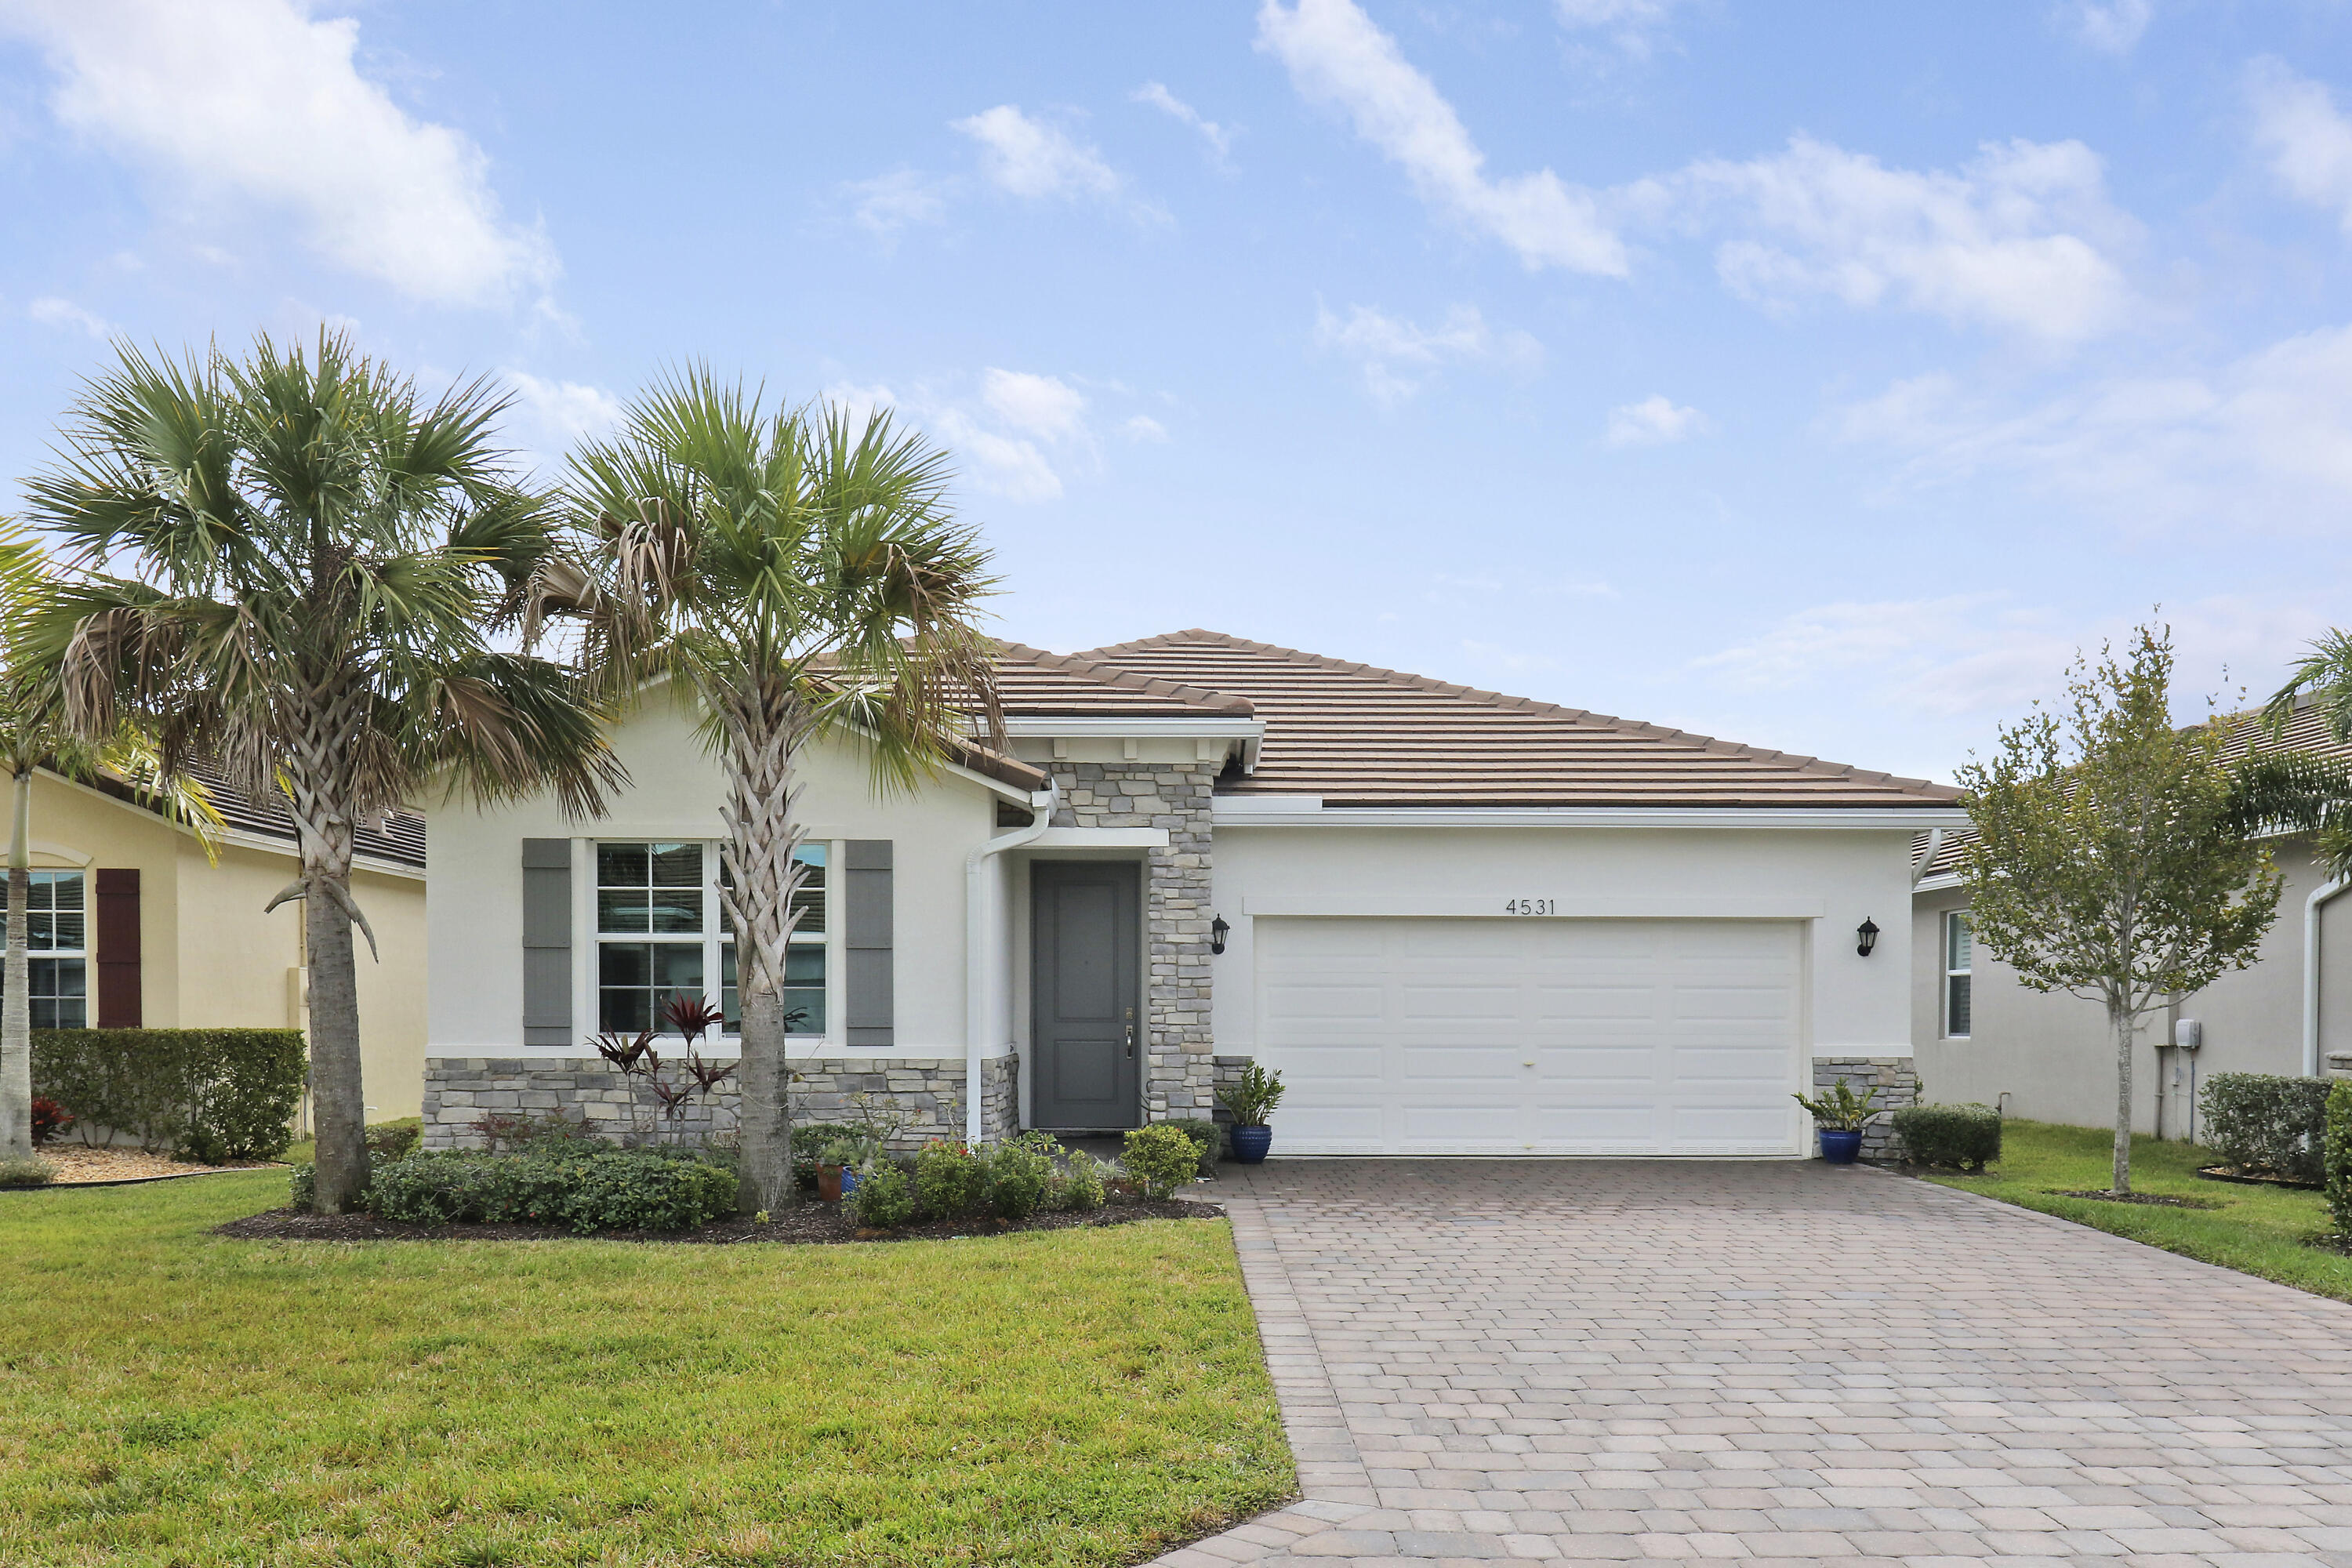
<point x="1958" y="955"/>
<point x="663" y="933"/>
<point x="59" y="950"/>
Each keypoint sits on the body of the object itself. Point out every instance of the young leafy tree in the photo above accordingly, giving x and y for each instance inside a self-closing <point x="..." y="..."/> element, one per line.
<point x="290" y="565"/>
<point x="2114" y="860"/>
<point x="799" y="578"/>
<point x="34" y="735"/>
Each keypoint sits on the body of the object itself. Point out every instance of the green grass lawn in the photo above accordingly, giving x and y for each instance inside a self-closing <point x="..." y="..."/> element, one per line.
<point x="169" y="1397"/>
<point x="2257" y="1230"/>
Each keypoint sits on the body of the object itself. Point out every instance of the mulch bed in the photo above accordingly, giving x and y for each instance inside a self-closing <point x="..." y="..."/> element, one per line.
<point x="2257" y="1179"/>
<point x="809" y="1224"/>
<point x="2156" y="1199"/>
<point x="80" y="1165"/>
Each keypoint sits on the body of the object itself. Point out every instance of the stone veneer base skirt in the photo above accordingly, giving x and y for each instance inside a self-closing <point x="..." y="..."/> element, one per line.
<point x="923" y="1096"/>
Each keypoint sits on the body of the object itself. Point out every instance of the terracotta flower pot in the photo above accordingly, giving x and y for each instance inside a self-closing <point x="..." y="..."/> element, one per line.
<point x="828" y="1183"/>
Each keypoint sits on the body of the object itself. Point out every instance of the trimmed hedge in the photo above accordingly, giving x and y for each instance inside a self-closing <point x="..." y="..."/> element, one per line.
<point x="1962" y="1137"/>
<point x="1206" y="1135"/>
<point x="2268" y="1122"/>
<point x="2338" y="1143"/>
<point x="207" y="1094"/>
<point x="584" y="1187"/>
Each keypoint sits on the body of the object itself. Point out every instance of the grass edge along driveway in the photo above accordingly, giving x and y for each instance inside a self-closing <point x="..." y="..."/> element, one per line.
<point x="176" y="1398"/>
<point x="2259" y="1230"/>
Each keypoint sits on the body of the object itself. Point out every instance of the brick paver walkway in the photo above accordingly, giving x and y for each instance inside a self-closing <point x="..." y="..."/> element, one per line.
<point x="1605" y="1362"/>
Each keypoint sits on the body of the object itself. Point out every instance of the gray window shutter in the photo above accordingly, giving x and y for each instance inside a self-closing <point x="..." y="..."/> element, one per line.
<point x="866" y="921"/>
<point x="547" y="941"/>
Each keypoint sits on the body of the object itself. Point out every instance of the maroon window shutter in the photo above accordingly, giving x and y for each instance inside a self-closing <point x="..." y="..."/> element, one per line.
<point x="117" y="949"/>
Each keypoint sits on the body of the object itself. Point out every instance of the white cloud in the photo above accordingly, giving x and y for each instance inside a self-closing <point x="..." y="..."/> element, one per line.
<point x="1219" y="139"/>
<point x="887" y="203"/>
<point x="1039" y="405"/>
<point x="1336" y="55"/>
<point x="2112" y="27"/>
<point x="2016" y="239"/>
<point x="52" y="311"/>
<point x="1397" y="357"/>
<point x="2304" y="137"/>
<point x="258" y="100"/>
<point x="2264" y="442"/>
<point x="1986" y="656"/>
<point x="1006" y="465"/>
<point x="860" y="403"/>
<point x="1653" y="422"/>
<point x="548" y="418"/>
<point x="1632" y="24"/>
<point x="1143" y="428"/>
<point x="1030" y="158"/>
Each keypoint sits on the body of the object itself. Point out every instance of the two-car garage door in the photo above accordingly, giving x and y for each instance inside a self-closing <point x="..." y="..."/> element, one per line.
<point x="1532" y="1036"/>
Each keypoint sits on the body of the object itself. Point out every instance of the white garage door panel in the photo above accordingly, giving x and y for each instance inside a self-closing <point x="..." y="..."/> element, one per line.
<point x="1558" y="1037"/>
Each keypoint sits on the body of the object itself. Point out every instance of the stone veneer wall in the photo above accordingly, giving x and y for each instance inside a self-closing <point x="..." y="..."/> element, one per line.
<point x="1179" y="1072"/>
<point x="925" y="1095"/>
<point x="1891" y="1082"/>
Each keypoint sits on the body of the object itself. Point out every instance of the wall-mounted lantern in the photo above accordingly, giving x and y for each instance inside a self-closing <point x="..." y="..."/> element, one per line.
<point x="1217" y="929"/>
<point x="1866" y="936"/>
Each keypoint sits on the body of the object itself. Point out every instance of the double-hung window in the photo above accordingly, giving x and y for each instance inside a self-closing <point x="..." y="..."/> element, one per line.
<point x="662" y="933"/>
<point x="1959" y="956"/>
<point x="57" y="942"/>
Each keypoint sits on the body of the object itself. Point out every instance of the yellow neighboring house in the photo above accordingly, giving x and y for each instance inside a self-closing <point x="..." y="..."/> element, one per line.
<point x="131" y="926"/>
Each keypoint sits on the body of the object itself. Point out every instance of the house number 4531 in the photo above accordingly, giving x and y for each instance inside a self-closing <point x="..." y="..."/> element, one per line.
<point x="1532" y="907"/>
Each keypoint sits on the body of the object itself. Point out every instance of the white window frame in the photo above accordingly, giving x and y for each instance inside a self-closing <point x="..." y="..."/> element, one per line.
<point x="80" y="955"/>
<point x="1951" y="918"/>
<point x="712" y="938"/>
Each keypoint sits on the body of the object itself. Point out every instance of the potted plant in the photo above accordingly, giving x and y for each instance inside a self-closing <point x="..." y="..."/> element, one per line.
<point x="1839" y="1116"/>
<point x="840" y="1163"/>
<point x="1252" y="1098"/>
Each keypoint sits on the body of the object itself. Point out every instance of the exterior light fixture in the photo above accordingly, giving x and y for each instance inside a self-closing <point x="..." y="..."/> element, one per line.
<point x="1217" y="929"/>
<point x="1866" y="936"/>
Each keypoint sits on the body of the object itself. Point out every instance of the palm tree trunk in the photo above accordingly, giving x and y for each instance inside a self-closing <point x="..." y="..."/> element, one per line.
<point x="763" y="728"/>
<point x="17" y="980"/>
<point x="2125" y="1028"/>
<point x="338" y="1103"/>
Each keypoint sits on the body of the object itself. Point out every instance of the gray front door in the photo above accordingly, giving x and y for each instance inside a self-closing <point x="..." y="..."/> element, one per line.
<point x="1085" y="1036"/>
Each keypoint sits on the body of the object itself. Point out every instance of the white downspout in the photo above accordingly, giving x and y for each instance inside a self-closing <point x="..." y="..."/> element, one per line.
<point x="1928" y="859"/>
<point x="975" y="988"/>
<point x="2319" y="895"/>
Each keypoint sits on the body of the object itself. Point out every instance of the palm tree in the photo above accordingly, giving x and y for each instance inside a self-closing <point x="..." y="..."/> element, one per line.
<point x="290" y="566"/>
<point x="799" y="579"/>
<point x="2304" y="791"/>
<point x="33" y="735"/>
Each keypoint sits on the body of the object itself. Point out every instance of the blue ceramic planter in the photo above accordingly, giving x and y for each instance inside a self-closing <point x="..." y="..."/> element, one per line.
<point x="1250" y="1144"/>
<point x="848" y="1181"/>
<point x="1839" y="1148"/>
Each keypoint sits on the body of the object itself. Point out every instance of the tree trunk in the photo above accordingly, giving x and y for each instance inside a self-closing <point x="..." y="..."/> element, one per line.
<point x="764" y="1122"/>
<point x="339" y="1103"/>
<point x="16" y="981"/>
<point x="2126" y="1026"/>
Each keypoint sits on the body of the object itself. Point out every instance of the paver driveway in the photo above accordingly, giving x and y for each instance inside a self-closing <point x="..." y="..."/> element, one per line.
<point x="1589" y="1361"/>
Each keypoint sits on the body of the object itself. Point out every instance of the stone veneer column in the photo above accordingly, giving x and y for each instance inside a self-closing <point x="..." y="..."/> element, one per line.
<point x="1890" y="1082"/>
<point x="1180" y="1073"/>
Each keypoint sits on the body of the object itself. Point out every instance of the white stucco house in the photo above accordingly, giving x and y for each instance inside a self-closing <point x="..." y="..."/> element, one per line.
<point x="1981" y="1035"/>
<point x="1456" y="923"/>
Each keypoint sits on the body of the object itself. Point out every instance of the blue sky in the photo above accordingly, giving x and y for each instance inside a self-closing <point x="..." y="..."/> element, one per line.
<point x="1818" y="376"/>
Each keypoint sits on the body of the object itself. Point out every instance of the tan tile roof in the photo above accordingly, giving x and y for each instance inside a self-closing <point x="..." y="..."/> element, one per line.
<point x="1030" y="682"/>
<point x="1357" y="735"/>
<point x="2307" y="732"/>
<point x="399" y="838"/>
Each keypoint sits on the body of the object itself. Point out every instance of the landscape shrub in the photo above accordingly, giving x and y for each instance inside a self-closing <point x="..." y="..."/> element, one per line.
<point x="884" y="1200"/>
<point x="950" y="1180"/>
<point x="394" y="1140"/>
<point x="2338" y="1144"/>
<point x="808" y="1137"/>
<point x="302" y="1188"/>
<point x="1020" y="1172"/>
<point x="1206" y="1136"/>
<point x="2267" y="1122"/>
<point x="207" y="1094"/>
<point x="27" y="1172"/>
<point x="583" y="1186"/>
<point x="1080" y="1187"/>
<point x="49" y="1118"/>
<point x="1162" y="1158"/>
<point x="1963" y="1137"/>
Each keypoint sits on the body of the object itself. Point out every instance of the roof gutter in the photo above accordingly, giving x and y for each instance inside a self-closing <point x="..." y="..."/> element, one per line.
<point x="2311" y="908"/>
<point x="975" y="911"/>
